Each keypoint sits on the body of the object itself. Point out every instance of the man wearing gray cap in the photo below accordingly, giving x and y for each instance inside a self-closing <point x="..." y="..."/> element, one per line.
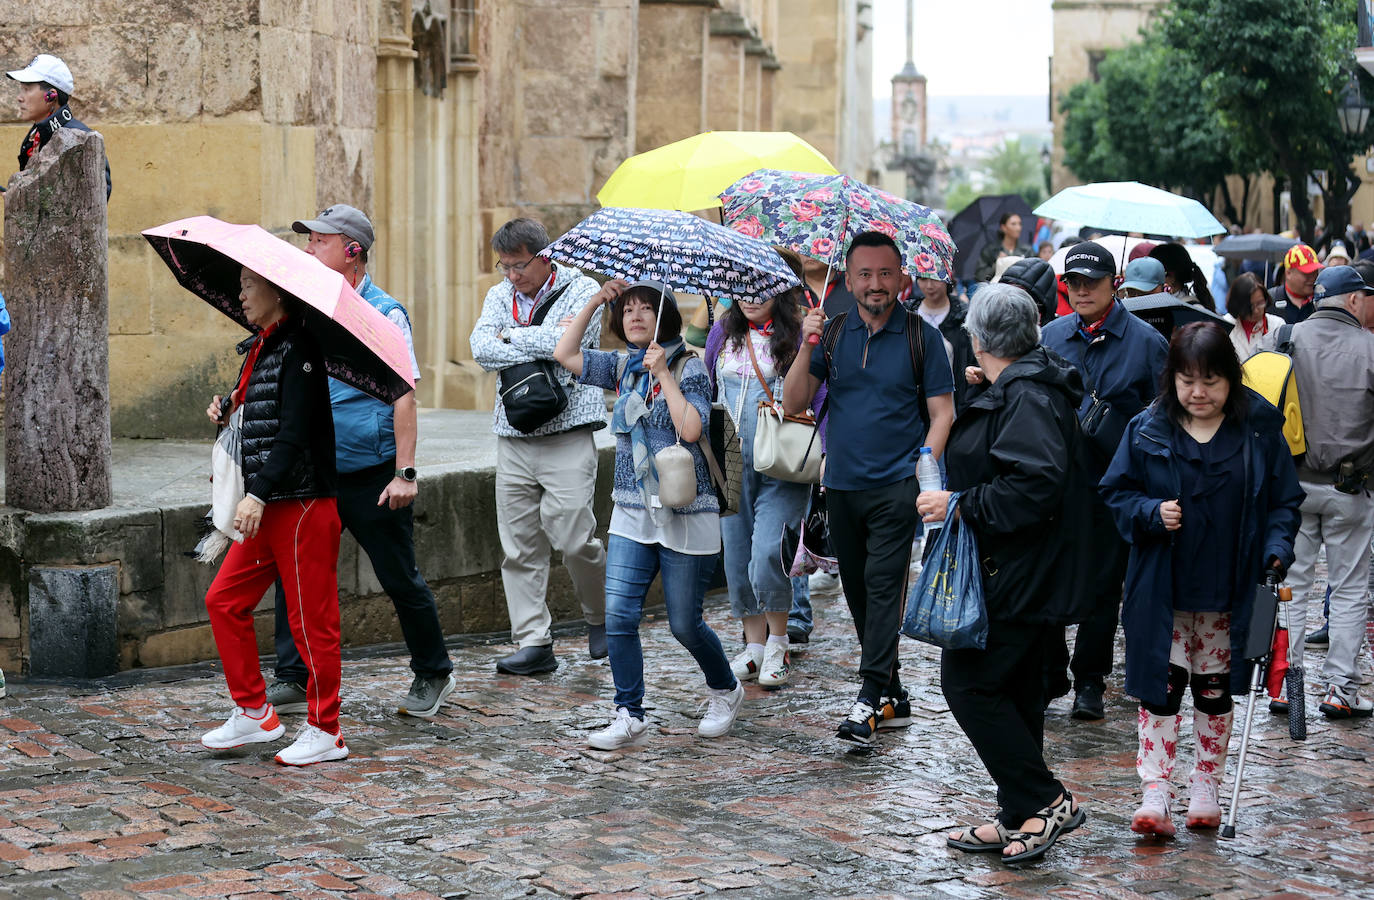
<point x="45" y="87"/>
<point x="375" y="455"/>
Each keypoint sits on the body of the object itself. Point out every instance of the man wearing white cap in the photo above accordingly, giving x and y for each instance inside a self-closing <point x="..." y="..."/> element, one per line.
<point x="45" y="87"/>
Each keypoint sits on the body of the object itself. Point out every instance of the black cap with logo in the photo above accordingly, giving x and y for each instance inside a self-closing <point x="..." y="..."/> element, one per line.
<point x="1089" y="259"/>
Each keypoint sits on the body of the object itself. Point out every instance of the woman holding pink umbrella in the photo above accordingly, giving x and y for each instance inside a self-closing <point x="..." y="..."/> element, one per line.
<point x="287" y="524"/>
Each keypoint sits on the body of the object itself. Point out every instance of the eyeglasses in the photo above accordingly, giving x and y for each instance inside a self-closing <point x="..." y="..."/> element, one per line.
<point x="518" y="268"/>
<point x="1076" y="281"/>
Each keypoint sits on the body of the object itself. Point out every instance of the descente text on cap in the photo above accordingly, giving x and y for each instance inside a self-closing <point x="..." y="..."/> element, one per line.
<point x="1089" y="259"/>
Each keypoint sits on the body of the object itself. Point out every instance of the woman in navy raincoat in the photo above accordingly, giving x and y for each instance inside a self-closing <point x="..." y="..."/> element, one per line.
<point x="1207" y="458"/>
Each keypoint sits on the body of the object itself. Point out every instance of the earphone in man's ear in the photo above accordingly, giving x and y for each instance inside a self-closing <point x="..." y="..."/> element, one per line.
<point x="50" y="95"/>
<point x="353" y="249"/>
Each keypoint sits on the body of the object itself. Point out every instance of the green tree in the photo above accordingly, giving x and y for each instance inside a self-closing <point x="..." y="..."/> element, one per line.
<point x="1016" y="169"/>
<point x="1274" y="74"/>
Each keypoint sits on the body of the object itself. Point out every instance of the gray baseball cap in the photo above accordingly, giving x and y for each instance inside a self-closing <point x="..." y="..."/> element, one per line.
<point x="339" y="219"/>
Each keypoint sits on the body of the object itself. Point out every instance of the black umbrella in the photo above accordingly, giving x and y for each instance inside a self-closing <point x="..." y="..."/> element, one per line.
<point x="1266" y="247"/>
<point x="976" y="226"/>
<point x="1166" y="312"/>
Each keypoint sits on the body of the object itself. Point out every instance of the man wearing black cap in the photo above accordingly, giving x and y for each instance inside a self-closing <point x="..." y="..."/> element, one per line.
<point x="374" y="446"/>
<point x="1120" y="358"/>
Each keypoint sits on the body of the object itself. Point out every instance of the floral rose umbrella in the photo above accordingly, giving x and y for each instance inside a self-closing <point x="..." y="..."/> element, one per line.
<point x="817" y="216"/>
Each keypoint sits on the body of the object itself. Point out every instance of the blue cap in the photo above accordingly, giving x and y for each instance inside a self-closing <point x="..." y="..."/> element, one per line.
<point x="1144" y="274"/>
<point x="1334" y="281"/>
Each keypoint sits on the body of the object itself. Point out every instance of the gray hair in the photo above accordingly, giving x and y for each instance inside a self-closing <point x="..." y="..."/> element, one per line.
<point x="520" y="235"/>
<point x="1004" y="319"/>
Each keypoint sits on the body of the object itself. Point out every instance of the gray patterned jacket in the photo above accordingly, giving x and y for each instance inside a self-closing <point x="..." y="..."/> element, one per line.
<point x="586" y="404"/>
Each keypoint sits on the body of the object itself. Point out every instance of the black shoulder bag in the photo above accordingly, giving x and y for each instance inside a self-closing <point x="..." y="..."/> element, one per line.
<point x="531" y="392"/>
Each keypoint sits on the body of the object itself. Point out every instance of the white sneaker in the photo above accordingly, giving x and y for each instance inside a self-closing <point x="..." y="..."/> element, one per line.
<point x="1204" y="807"/>
<point x="623" y="731"/>
<point x="241" y="728"/>
<point x="1153" y="815"/>
<point x="776" y="666"/>
<point x="313" y="745"/>
<point x="823" y="581"/>
<point x="721" y="709"/>
<point x="746" y="666"/>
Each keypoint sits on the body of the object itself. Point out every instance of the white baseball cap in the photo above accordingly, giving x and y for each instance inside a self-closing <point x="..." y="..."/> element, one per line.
<point x="46" y="68"/>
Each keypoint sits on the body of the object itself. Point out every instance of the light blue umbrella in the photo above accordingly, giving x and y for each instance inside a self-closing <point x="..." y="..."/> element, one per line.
<point x="1131" y="206"/>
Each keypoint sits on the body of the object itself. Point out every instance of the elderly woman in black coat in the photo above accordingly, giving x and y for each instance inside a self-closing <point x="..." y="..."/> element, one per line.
<point x="1012" y="458"/>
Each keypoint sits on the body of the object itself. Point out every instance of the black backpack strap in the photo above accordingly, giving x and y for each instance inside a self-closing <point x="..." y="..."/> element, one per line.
<point x="916" y="345"/>
<point x="546" y="304"/>
<point x="829" y="338"/>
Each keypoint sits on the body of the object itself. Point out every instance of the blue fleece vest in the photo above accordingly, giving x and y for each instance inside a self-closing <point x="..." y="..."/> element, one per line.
<point x="364" y="427"/>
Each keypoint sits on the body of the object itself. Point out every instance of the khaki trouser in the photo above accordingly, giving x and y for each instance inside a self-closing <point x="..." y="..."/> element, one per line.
<point x="544" y="491"/>
<point x="1344" y="523"/>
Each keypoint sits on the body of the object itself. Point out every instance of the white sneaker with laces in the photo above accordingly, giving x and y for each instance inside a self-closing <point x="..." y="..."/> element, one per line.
<point x="623" y="731"/>
<point x="1204" y="807"/>
<point x="721" y="709"/>
<point x="313" y="745"/>
<point x="1153" y="815"/>
<point x="777" y="665"/>
<point x="746" y="666"/>
<point x="241" y="728"/>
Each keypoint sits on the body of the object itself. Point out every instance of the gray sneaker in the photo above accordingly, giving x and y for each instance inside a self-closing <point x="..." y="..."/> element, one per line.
<point x="426" y="694"/>
<point x="287" y="697"/>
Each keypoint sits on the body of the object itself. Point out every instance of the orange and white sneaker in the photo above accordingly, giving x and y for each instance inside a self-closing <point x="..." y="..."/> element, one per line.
<point x="1204" y="807"/>
<point x="244" y="728"/>
<point x="313" y="745"/>
<point x="1153" y="815"/>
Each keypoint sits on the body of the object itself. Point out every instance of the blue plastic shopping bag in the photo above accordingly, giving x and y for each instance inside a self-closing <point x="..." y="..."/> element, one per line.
<point x="946" y="606"/>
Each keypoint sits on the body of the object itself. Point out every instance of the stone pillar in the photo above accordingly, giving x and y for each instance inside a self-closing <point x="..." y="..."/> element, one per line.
<point x="395" y="156"/>
<point x="57" y="382"/>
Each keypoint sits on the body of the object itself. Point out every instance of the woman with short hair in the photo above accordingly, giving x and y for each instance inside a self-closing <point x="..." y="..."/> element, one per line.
<point x="663" y="399"/>
<point x="1255" y="329"/>
<point x="1207" y="458"/>
<point x="1011" y="458"/>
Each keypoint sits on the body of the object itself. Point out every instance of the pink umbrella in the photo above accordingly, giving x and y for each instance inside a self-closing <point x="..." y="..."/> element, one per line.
<point x="361" y="346"/>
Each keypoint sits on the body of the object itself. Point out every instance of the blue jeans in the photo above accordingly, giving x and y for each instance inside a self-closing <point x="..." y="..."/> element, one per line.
<point x="752" y="538"/>
<point x="630" y="569"/>
<point x="800" y="615"/>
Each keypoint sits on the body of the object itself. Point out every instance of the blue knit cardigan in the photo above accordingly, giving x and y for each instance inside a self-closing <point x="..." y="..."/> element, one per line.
<point x="599" y="369"/>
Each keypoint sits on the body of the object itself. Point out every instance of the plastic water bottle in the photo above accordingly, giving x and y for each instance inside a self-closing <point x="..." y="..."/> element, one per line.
<point x="928" y="477"/>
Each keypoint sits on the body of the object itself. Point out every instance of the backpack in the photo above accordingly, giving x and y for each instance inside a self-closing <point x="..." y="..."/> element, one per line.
<point x="1269" y="373"/>
<point x="916" y="346"/>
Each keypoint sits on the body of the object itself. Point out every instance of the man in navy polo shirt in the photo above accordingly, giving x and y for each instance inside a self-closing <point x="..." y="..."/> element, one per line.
<point x="1121" y="358"/>
<point x="880" y="399"/>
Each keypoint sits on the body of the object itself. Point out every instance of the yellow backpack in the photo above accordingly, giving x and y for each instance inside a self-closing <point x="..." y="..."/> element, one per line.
<point x="1270" y="374"/>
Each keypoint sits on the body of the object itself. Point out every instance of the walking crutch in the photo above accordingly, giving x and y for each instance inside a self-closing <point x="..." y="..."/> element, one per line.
<point x="1259" y="646"/>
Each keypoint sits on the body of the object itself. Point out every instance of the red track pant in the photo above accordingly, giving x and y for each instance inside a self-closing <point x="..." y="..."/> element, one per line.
<point x="298" y="539"/>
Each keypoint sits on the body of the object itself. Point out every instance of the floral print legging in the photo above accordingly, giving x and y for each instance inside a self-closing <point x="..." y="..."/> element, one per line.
<point x="1201" y="646"/>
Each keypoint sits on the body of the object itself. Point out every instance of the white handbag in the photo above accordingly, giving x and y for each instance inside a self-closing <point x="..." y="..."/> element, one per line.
<point x="785" y="447"/>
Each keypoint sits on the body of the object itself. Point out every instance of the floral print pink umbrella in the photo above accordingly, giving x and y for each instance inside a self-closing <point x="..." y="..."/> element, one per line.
<point x="817" y="216"/>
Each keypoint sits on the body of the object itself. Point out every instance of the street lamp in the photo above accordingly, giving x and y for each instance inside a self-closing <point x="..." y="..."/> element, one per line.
<point x="1353" y="109"/>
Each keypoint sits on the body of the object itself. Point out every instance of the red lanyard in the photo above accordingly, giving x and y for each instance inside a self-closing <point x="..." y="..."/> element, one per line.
<point x="241" y="388"/>
<point x="515" y="304"/>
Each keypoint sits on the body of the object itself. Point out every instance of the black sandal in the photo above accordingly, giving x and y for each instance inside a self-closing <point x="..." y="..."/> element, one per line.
<point x="970" y="842"/>
<point x="1057" y="820"/>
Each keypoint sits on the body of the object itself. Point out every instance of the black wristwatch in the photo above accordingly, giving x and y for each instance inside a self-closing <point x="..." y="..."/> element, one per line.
<point x="408" y="473"/>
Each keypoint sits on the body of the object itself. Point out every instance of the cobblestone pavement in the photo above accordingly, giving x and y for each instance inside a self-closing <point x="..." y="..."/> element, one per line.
<point x="106" y="793"/>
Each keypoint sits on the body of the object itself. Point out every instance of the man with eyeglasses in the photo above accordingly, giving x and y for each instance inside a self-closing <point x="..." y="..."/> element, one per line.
<point x="545" y="477"/>
<point x="1120" y="358"/>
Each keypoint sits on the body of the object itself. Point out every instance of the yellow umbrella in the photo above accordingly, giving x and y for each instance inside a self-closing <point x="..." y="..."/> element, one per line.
<point x="689" y="174"/>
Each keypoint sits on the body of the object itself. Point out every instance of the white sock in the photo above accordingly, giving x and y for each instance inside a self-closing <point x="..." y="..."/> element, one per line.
<point x="755" y="648"/>
<point x="256" y="713"/>
<point x="778" y="639"/>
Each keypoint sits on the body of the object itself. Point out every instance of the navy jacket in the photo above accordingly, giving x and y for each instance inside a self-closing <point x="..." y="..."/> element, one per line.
<point x="1141" y="476"/>
<point x="1121" y="366"/>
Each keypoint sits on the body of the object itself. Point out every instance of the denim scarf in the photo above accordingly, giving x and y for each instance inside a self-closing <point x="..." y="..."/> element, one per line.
<point x="631" y="417"/>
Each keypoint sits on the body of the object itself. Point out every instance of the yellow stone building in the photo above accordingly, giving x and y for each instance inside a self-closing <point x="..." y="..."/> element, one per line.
<point x="440" y="119"/>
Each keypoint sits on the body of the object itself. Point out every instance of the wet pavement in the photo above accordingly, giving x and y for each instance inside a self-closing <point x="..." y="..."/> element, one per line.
<point x="105" y="792"/>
